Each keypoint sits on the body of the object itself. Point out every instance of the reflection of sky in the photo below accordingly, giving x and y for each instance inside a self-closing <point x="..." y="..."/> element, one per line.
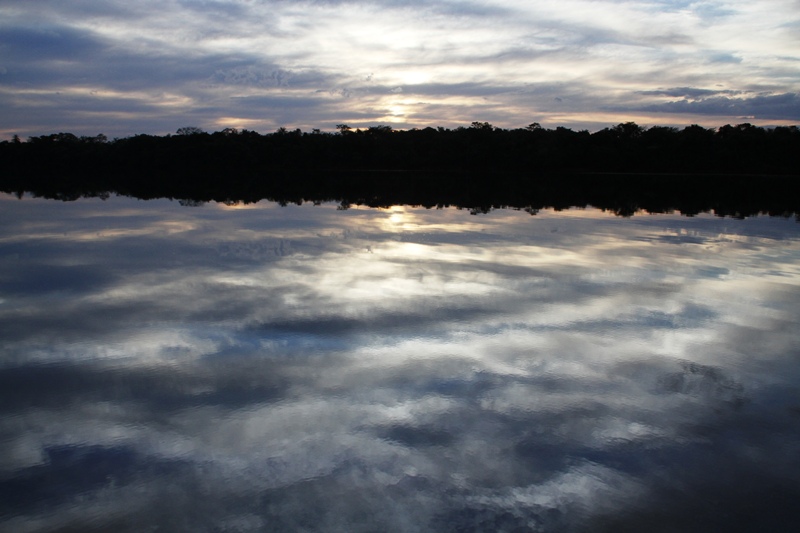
<point x="282" y="368"/>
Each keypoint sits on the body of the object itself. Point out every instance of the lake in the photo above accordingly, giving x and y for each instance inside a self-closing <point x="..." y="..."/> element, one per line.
<point x="311" y="368"/>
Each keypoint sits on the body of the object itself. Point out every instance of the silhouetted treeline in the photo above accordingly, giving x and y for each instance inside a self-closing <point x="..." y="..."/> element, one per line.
<point x="735" y="170"/>
<point x="622" y="148"/>
<point x="623" y="194"/>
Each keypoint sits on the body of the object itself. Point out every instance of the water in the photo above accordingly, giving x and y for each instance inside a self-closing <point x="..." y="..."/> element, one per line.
<point x="307" y="368"/>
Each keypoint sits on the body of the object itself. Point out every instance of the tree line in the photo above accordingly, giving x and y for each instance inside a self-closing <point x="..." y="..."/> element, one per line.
<point x="736" y="170"/>
<point x="626" y="147"/>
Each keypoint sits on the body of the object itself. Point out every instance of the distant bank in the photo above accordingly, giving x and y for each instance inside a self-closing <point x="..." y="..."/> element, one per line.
<point x="735" y="170"/>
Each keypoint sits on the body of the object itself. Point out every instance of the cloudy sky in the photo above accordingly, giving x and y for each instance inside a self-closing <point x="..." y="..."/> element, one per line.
<point x="121" y="67"/>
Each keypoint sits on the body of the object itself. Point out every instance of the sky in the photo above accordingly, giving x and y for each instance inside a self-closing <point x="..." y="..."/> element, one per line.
<point x="123" y="68"/>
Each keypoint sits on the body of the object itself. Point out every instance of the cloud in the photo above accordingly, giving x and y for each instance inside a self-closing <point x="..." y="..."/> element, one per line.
<point x="160" y="66"/>
<point x="50" y="43"/>
<point x="769" y="107"/>
<point x="687" y="92"/>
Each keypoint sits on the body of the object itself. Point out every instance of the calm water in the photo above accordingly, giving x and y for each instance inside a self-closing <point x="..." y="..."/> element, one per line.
<point x="303" y="368"/>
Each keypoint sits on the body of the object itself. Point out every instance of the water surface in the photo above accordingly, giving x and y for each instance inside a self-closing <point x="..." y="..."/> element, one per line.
<point x="307" y="368"/>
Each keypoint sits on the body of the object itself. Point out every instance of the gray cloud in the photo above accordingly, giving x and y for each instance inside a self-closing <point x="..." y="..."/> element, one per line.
<point x="688" y="92"/>
<point x="229" y="11"/>
<point x="762" y="107"/>
<point x="47" y="43"/>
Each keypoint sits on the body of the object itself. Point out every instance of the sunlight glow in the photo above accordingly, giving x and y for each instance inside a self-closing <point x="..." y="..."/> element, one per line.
<point x="240" y="123"/>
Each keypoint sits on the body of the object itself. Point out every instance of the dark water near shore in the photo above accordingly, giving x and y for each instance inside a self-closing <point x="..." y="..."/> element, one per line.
<point x="303" y="368"/>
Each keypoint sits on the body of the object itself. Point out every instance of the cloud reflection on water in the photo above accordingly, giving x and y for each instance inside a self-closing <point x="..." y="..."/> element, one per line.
<point x="403" y="369"/>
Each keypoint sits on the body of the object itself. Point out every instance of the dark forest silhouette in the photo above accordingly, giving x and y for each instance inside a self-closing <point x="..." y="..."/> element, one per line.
<point x="733" y="170"/>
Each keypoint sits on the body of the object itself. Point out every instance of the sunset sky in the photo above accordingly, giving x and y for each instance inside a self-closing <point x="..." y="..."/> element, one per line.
<point x="127" y="67"/>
